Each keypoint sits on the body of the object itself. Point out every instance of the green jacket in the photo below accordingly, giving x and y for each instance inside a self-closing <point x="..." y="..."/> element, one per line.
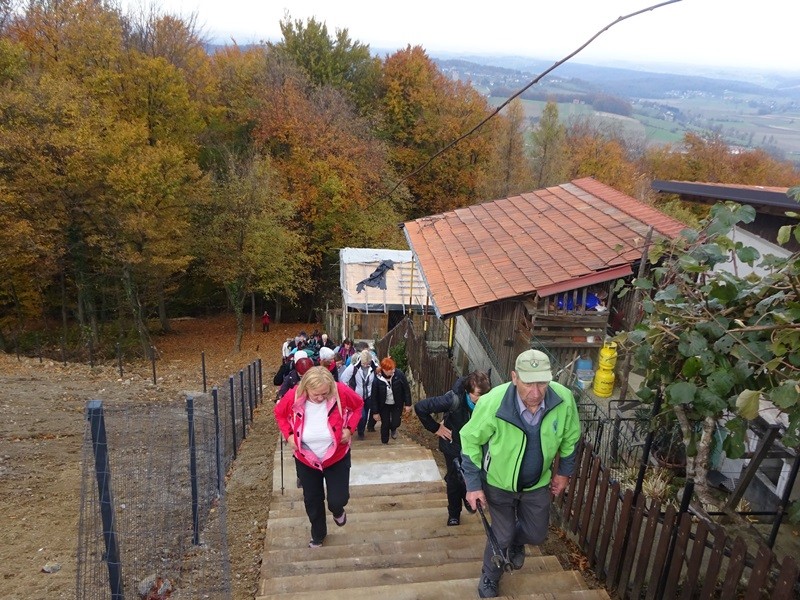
<point x="496" y="430"/>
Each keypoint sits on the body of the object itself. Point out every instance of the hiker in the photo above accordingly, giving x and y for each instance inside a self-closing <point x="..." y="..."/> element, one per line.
<point x="327" y="359"/>
<point x="359" y="377"/>
<point x="298" y="368"/>
<point x="390" y="397"/>
<point x="507" y="453"/>
<point x="265" y="320"/>
<point x="317" y="419"/>
<point x="457" y="406"/>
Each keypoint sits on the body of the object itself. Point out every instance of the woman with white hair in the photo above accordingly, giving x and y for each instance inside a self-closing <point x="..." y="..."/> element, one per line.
<point x="317" y="419"/>
<point x="359" y="376"/>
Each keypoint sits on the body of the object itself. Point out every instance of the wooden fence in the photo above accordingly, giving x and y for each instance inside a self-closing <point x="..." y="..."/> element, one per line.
<point x="643" y="553"/>
<point x="431" y="368"/>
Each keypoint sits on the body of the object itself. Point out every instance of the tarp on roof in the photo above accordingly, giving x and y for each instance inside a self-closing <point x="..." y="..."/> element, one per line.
<point x="367" y="269"/>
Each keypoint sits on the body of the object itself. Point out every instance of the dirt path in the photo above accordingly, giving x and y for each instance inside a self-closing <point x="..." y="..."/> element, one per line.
<point x="41" y="432"/>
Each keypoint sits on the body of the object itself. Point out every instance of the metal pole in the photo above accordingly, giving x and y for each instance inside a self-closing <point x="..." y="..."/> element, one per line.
<point x="281" y="465"/>
<point x="250" y="389"/>
<point x="233" y="415"/>
<point x="648" y="444"/>
<point x="203" y="361"/>
<point x="217" y="450"/>
<point x="260" y="382"/>
<point x="193" y="472"/>
<point x="776" y="524"/>
<point x="153" y="360"/>
<point x="241" y="398"/>
<point x="102" y="468"/>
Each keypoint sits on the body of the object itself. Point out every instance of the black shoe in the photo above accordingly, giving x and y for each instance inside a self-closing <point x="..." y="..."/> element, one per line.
<point x="394" y="434"/>
<point x="361" y="436"/>
<point x="516" y="554"/>
<point x="453" y="521"/>
<point x="487" y="588"/>
<point x="470" y="510"/>
<point x="342" y="519"/>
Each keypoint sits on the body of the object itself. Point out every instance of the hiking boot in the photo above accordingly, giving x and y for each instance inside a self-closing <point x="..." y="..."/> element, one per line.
<point x="487" y="588"/>
<point x="341" y="519"/>
<point x="516" y="554"/>
<point x="453" y="521"/>
<point x="394" y="434"/>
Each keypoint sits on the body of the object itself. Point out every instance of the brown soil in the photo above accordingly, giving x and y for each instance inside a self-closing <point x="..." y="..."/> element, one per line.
<point x="41" y="429"/>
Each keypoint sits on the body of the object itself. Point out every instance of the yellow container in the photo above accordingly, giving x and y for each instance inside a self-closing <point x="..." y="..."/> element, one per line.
<point x="603" y="383"/>
<point x="608" y="356"/>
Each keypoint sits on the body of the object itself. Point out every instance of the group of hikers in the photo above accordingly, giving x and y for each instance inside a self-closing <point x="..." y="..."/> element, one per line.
<point x="500" y="444"/>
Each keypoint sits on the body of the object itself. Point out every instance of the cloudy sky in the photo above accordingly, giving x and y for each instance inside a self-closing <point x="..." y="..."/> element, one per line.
<point x="731" y="33"/>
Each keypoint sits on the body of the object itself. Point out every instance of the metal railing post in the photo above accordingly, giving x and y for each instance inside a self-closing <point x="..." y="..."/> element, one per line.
<point x="193" y="472"/>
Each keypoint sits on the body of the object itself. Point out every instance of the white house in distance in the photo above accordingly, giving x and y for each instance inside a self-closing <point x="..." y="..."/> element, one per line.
<point x="385" y="295"/>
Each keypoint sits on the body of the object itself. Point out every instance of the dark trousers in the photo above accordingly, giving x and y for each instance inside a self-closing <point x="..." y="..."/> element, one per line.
<point x="336" y="478"/>
<point x="366" y="415"/>
<point x="456" y="488"/>
<point x="518" y="518"/>
<point x="391" y="415"/>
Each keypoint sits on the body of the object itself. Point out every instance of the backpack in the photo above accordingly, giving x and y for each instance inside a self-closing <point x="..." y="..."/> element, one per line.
<point x="285" y="367"/>
<point x="352" y="383"/>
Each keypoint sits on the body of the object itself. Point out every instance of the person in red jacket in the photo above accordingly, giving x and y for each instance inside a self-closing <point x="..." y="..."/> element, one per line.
<point x="317" y="419"/>
<point x="265" y="321"/>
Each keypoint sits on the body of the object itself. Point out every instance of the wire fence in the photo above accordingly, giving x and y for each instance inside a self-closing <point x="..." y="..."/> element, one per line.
<point x="153" y="514"/>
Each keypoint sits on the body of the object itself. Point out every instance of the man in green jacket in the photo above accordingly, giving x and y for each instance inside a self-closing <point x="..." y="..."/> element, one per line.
<point x="508" y="449"/>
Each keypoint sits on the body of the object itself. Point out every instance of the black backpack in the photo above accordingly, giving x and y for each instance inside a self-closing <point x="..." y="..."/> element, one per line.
<point x="282" y="371"/>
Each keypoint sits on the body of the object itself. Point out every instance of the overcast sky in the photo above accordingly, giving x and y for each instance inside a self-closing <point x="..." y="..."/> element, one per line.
<point x="757" y="34"/>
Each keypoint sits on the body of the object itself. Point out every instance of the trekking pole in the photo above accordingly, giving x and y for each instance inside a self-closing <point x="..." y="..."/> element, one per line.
<point x="499" y="558"/>
<point x="281" y="465"/>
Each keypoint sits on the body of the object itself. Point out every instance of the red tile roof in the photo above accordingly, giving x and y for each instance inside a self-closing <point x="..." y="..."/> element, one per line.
<point x="515" y="246"/>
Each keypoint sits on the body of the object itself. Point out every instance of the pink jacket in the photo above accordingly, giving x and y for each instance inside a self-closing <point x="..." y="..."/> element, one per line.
<point x="290" y="413"/>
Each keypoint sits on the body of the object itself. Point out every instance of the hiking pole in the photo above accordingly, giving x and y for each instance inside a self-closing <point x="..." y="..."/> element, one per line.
<point x="281" y="465"/>
<point x="499" y="558"/>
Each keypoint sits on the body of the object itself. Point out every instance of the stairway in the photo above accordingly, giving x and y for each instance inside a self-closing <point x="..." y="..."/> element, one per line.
<point x="396" y="544"/>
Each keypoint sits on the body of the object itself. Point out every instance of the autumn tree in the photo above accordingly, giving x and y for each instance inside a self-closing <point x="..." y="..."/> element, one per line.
<point x="245" y="244"/>
<point x="509" y="170"/>
<point x="335" y="60"/>
<point x="424" y="112"/>
<point x="549" y="149"/>
<point x="330" y="165"/>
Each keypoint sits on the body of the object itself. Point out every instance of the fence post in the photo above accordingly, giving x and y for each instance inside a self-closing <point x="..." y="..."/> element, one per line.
<point x="119" y="359"/>
<point x="260" y="383"/>
<point x="233" y="415"/>
<point x="648" y="444"/>
<point x="217" y="449"/>
<point x="91" y="352"/>
<point x="203" y="361"/>
<point x="193" y="472"/>
<point x="241" y="398"/>
<point x="102" y="468"/>
<point x="250" y="389"/>
<point x="688" y="491"/>
<point x="153" y="360"/>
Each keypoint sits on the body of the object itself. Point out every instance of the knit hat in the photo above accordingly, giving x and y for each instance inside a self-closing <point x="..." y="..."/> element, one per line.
<point x="300" y="354"/>
<point x="533" y="366"/>
<point x="326" y="353"/>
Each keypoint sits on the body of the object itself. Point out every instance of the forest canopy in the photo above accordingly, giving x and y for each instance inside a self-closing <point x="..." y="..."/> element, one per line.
<point x="143" y="178"/>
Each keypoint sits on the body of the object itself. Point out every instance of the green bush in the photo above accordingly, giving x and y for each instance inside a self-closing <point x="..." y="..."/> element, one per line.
<point x="398" y="353"/>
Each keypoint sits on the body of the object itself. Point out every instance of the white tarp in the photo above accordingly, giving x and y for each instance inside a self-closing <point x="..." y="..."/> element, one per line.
<point x="404" y="285"/>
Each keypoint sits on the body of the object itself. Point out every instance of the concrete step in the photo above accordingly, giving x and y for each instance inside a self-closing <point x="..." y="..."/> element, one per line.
<point x="400" y="490"/>
<point x="362" y="504"/>
<point x="541" y="585"/>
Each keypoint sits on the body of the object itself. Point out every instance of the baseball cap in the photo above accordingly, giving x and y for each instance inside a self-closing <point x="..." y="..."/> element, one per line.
<point x="533" y="366"/>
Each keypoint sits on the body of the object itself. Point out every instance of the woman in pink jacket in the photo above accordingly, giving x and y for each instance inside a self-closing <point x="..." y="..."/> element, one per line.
<point x="317" y="419"/>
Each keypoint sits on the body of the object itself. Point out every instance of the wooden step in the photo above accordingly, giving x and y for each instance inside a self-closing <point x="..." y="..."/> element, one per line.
<point x="384" y="584"/>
